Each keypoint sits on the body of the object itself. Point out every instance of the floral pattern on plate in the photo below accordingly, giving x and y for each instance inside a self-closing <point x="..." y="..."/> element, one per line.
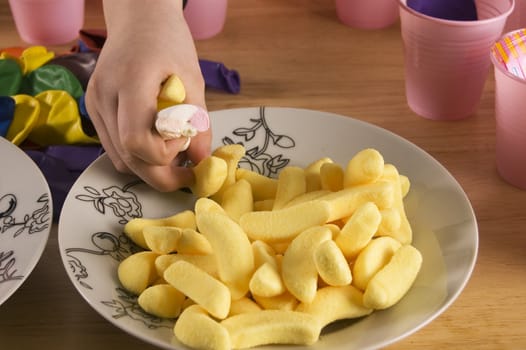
<point x="25" y="217"/>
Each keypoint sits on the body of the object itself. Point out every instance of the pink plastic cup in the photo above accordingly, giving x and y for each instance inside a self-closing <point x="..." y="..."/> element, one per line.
<point x="48" y="22"/>
<point x="367" y="14"/>
<point x="510" y="115"/>
<point x="205" y="18"/>
<point x="446" y="61"/>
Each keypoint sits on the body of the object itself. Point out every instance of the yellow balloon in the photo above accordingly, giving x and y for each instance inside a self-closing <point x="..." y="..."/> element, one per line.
<point x="27" y="110"/>
<point x="35" y="57"/>
<point x="59" y="121"/>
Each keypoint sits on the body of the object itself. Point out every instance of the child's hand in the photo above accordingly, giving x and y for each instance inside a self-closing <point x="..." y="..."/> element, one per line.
<point x="146" y="44"/>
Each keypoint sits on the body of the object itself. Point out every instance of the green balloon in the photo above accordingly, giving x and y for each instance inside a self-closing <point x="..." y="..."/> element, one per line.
<point x="10" y="77"/>
<point x="51" y="77"/>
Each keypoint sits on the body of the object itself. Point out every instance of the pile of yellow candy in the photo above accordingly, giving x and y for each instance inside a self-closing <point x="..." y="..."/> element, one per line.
<point x="273" y="261"/>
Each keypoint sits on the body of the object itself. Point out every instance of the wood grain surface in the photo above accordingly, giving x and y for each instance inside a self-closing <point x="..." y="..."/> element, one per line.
<point x="295" y="53"/>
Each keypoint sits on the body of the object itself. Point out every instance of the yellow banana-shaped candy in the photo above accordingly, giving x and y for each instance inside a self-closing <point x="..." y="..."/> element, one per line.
<point x="199" y="286"/>
<point x="298" y="267"/>
<point x="196" y="329"/>
<point x="335" y="303"/>
<point x="286" y="223"/>
<point x="271" y="327"/>
<point x="393" y="281"/>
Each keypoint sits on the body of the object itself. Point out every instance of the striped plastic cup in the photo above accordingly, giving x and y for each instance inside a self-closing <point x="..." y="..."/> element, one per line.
<point x="447" y="61"/>
<point x="509" y="60"/>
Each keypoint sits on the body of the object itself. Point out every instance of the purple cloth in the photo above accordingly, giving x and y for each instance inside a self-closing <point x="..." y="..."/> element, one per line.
<point x="217" y="76"/>
<point x="61" y="166"/>
<point x="455" y="10"/>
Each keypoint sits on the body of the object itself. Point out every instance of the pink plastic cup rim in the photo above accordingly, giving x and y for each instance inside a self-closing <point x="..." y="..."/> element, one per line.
<point x="454" y="23"/>
<point x="498" y="65"/>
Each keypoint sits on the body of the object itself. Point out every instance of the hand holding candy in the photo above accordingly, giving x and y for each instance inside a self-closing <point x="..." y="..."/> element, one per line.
<point x="123" y="91"/>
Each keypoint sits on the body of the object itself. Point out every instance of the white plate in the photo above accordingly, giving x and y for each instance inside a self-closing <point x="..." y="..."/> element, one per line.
<point x="101" y="201"/>
<point x="25" y="217"/>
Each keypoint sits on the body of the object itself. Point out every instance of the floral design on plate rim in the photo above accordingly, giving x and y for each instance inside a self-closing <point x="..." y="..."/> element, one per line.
<point x="16" y="224"/>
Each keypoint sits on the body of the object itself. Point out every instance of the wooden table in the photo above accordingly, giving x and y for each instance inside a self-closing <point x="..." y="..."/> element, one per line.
<point x="296" y="54"/>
